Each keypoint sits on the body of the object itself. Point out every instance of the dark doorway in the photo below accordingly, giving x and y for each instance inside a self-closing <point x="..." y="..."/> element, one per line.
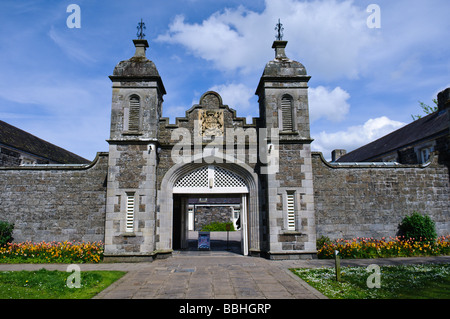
<point x="185" y="221"/>
<point x="176" y="236"/>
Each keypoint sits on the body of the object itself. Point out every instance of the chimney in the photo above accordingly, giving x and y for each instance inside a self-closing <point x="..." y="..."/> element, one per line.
<point x="336" y="154"/>
<point x="443" y="99"/>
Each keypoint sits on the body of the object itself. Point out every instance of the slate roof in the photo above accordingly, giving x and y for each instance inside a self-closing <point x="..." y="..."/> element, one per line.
<point x="24" y="141"/>
<point x="427" y="127"/>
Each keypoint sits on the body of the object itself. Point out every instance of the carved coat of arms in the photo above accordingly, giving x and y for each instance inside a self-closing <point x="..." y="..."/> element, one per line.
<point x="211" y="123"/>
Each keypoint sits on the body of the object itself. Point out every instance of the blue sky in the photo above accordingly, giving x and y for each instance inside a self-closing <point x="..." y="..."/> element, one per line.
<point x="365" y="82"/>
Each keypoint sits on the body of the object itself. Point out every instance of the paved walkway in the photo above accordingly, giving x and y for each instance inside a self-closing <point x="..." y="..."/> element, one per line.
<point x="216" y="275"/>
<point x="211" y="276"/>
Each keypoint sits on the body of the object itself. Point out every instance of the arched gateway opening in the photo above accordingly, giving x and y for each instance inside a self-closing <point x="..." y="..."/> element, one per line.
<point x="195" y="194"/>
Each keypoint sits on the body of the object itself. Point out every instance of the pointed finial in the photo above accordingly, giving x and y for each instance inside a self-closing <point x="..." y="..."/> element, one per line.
<point x="141" y="27"/>
<point x="279" y="28"/>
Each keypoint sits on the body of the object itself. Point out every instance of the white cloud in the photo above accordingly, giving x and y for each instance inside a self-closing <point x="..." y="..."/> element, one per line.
<point x="331" y="36"/>
<point x="355" y="136"/>
<point x="331" y="105"/>
<point x="215" y="39"/>
<point x="237" y="96"/>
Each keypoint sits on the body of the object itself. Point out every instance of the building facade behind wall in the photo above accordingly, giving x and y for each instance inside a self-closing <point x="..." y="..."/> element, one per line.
<point x="18" y="147"/>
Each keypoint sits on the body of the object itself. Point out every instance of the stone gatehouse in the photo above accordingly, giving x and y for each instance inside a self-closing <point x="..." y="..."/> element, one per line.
<point x="140" y="198"/>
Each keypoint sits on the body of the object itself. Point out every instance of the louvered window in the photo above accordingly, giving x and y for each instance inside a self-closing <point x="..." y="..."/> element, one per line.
<point x="286" y="114"/>
<point x="291" y="211"/>
<point x="130" y="213"/>
<point x="134" y="113"/>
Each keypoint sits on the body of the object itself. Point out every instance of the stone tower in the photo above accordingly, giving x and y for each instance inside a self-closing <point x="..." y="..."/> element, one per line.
<point x="289" y="203"/>
<point x="136" y="109"/>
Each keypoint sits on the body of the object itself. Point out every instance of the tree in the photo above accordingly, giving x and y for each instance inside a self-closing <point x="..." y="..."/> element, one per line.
<point x="426" y="109"/>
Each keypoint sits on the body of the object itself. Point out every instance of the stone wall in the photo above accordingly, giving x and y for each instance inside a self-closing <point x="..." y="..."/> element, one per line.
<point x="55" y="203"/>
<point x="205" y="215"/>
<point x="367" y="200"/>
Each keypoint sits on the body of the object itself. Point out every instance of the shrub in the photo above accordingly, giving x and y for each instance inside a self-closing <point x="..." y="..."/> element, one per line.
<point x="217" y="226"/>
<point x="417" y="227"/>
<point x="6" y="230"/>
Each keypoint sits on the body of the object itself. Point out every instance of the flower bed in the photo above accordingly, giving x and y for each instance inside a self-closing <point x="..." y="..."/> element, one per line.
<point x="379" y="248"/>
<point x="52" y="252"/>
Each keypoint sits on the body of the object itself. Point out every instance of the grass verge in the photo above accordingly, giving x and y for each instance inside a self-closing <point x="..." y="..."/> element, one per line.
<point x="424" y="281"/>
<point x="46" y="284"/>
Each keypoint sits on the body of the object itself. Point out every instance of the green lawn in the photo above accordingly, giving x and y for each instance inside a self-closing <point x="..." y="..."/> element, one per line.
<point x="396" y="282"/>
<point x="45" y="284"/>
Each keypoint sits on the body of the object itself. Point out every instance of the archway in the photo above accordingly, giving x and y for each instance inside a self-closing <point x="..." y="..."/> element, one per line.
<point x="192" y="212"/>
<point x="184" y="181"/>
<point x="206" y="183"/>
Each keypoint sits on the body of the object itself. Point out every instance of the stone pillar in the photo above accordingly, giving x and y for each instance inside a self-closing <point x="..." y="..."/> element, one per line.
<point x="131" y="193"/>
<point x="289" y="200"/>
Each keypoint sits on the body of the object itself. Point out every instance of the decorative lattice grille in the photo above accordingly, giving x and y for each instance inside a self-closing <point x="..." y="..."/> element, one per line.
<point x="210" y="177"/>
<point x="196" y="178"/>
<point x="225" y="178"/>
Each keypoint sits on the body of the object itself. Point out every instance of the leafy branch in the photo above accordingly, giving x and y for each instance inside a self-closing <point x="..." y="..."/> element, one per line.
<point x="426" y="109"/>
